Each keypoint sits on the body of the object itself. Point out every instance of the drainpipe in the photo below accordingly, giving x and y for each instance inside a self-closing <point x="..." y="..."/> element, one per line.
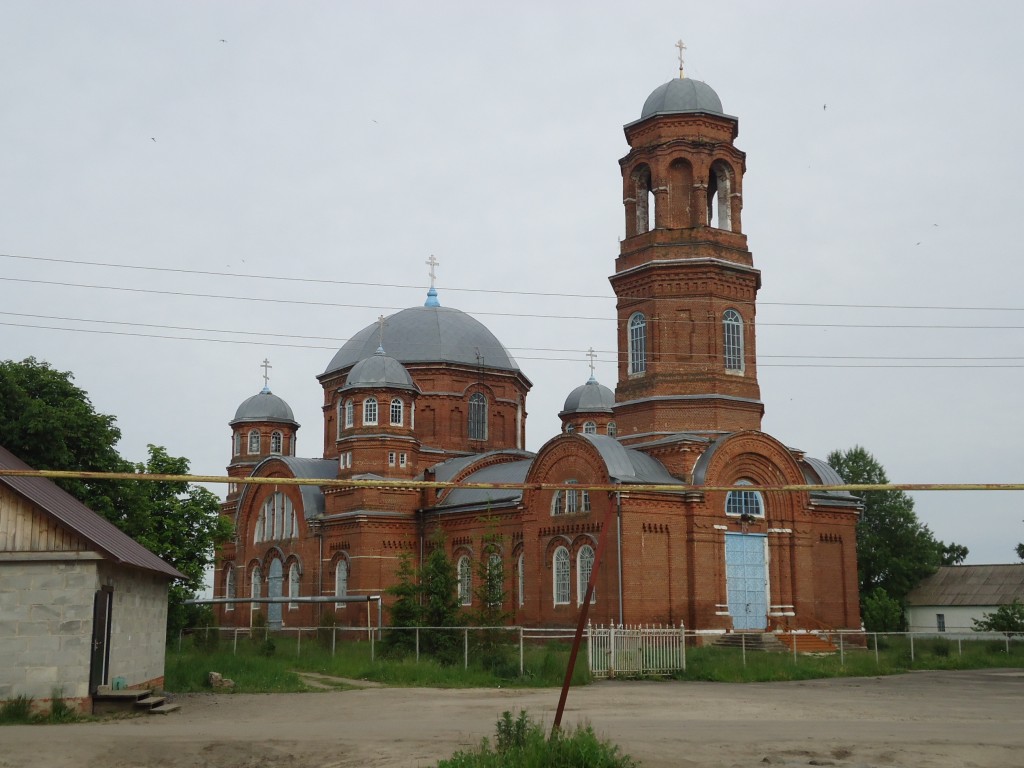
<point x="618" y="543"/>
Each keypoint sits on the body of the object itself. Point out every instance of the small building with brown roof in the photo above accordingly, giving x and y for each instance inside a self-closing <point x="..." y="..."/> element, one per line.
<point x="951" y="598"/>
<point x="82" y="604"/>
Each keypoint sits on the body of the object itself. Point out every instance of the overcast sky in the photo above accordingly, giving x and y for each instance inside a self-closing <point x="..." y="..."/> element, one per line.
<point x="339" y="145"/>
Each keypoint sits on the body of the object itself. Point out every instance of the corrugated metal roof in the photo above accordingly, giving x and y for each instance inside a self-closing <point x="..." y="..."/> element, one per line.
<point x="508" y="472"/>
<point x="970" y="585"/>
<point x="628" y="466"/>
<point x="110" y="540"/>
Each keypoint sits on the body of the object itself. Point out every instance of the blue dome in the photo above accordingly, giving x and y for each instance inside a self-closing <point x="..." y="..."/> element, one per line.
<point x="379" y="370"/>
<point x="682" y="95"/>
<point x="264" y="406"/>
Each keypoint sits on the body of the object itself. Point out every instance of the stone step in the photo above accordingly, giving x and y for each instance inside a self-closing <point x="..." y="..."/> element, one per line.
<point x="163" y="709"/>
<point x="150" y="702"/>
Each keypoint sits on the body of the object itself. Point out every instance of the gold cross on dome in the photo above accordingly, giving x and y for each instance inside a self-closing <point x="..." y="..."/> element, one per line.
<point x="593" y="356"/>
<point x="266" y="366"/>
<point x="433" y="262"/>
<point x="682" y="47"/>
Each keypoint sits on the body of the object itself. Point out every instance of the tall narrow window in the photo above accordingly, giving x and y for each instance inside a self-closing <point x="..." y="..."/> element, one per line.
<point x="293" y="585"/>
<point x="237" y="444"/>
<point x="369" y="411"/>
<point x="465" y="571"/>
<point x="229" y="586"/>
<point x="521" y="581"/>
<point x="637" y="343"/>
<point x="732" y="329"/>
<point x="396" y="412"/>
<point x="341" y="581"/>
<point x="341" y="417"/>
<point x="254" y="441"/>
<point x="276" y="442"/>
<point x="589" y="428"/>
<point x="572" y="499"/>
<point x="720" y="196"/>
<point x="277" y="519"/>
<point x="644" y="196"/>
<point x="584" y="567"/>
<point x="747" y="503"/>
<point x="256" y="585"/>
<point x="560" y="576"/>
<point x="613" y="430"/>
<point x="477" y="417"/>
<point x="558" y="503"/>
<point x="350" y="413"/>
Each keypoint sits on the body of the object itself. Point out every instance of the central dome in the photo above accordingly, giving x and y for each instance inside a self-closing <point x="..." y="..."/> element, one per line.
<point x="682" y="95"/>
<point x="430" y="334"/>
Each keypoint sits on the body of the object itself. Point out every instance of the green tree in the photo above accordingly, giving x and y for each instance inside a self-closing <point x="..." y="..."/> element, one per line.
<point x="50" y="423"/>
<point x="1006" y="618"/>
<point x="895" y="550"/>
<point x="440" y="601"/>
<point x="405" y="609"/>
<point x="953" y="554"/>
<point x="881" y="613"/>
<point x="1020" y="551"/>
<point x="490" y="598"/>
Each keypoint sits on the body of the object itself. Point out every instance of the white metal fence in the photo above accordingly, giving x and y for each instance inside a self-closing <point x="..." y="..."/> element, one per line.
<point x="635" y="651"/>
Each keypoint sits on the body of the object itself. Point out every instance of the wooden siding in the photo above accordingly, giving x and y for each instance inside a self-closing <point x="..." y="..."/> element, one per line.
<point x="25" y="528"/>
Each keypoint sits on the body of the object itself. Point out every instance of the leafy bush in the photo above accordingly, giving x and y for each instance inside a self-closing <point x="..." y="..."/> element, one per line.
<point x="521" y="743"/>
<point x="60" y="712"/>
<point x="16" y="710"/>
<point x="1006" y="618"/>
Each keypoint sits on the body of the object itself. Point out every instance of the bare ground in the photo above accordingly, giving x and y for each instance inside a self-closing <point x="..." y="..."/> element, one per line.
<point x="922" y="720"/>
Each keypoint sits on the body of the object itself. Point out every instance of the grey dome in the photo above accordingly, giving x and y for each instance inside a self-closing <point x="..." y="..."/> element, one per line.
<point x="379" y="370"/>
<point x="682" y="95"/>
<point x="427" y="335"/>
<point x="265" y="406"/>
<point x="589" y="398"/>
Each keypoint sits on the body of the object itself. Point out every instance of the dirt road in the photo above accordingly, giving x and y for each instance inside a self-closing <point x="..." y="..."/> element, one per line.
<point x="920" y="720"/>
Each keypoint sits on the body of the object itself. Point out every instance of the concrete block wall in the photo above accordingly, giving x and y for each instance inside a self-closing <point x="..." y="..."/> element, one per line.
<point x="46" y="628"/>
<point x="138" y="626"/>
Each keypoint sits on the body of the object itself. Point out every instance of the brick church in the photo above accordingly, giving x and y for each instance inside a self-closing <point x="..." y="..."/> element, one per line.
<point x="429" y="393"/>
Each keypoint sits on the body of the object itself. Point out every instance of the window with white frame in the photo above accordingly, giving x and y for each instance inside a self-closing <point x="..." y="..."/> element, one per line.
<point x="572" y="500"/>
<point x="465" y="572"/>
<point x="276" y="442"/>
<point x="277" y="519"/>
<point x="256" y="585"/>
<point x="403" y="459"/>
<point x="732" y="329"/>
<point x="397" y="412"/>
<point x="229" y="585"/>
<point x="637" y="343"/>
<point x="350" y="413"/>
<point x="584" y="567"/>
<point x="293" y="585"/>
<point x="521" y="581"/>
<point x="589" y="428"/>
<point x="341" y="417"/>
<point x="391" y="458"/>
<point x="370" y="411"/>
<point x="612" y="429"/>
<point x="560" y="576"/>
<point x="744" y="503"/>
<point x="236" y="444"/>
<point x="477" y="417"/>
<point x="341" y="581"/>
<point x="254" y="441"/>
<point x="558" y="503"/>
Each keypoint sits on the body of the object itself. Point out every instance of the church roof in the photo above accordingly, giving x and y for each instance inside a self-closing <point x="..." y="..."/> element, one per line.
<point x="589" y="398"/>
<point x="312" y="496"/>
<point x="264" y="406"/>
<point x="682" y="95"/>
<point x="507" y="472"/>
<point x="428" y="334"/>
<point x="628" y="466"/>
<point x="379" y="370"/>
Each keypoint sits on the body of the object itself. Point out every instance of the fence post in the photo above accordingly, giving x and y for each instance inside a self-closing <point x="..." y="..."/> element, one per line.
<point x="911" y="647"/>
<point x="876" y="648"/>
<point x="465" y="649"/>
<point x="959" y="646"/>
<point x="611" y="650"/>
<point x="842" y="655"/>
<point x="180" y="632"/>
<point x="417" y="645"/>
<point x="743" y="643"/>
<point x="792" y="636"/>
<point x="373" y="656"/>
<point x="334" y="639"/>
<point x="682" y="633"/>
<point x="1007" y="643"/>
<point x="234" y="645"/>
<point x="520" y="651"/>
<point x="298" y="642"/>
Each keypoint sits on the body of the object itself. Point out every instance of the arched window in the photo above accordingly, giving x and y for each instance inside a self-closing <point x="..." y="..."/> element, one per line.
<point x="277" y="519"/>
<point x="237" y="444"/>
<point x="744" y="503"/>
<point x="477" y="417"/>
<point x="637" y="343"/>
<point x="256" y="585"/>
<point x="293" y="584"/>
<point x="612" y="429"/>
<point x="397" y="410"/>
<point x="732" y="330"/>
<point x="521" y="581"/>
<point x="350" y="413"/>
<point x="584" y="567"/>
<point x="465" y="571"/>
<point x="570" y="428"/>
<point x="560" y="576"/>
<point x="589" y="428"/>
<point x="341" y="581"/>
<point x="644" y="196"/>
<point x="276" y="442"/>
<point x="229" y="585"/>
<point x="558" y="503"/>
<point x="720" y="196"/>
<point x="341" y="417"/>
<point x="254" y="441"/>
<point x="369" y="411"/>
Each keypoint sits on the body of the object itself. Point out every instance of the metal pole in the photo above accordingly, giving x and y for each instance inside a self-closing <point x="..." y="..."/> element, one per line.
<point x="417" y="645"/>
<point x="520" y="651"/>
<point x="911" y="646"/>
<point x="842" y="655"/>
<point x="959" y="646"/>
<point x="234" y="645"/>
<point x="876" y="648"/>
<point x="334" y="639"/>
<point x="743" y="642"/>
<point x="682" y="631"/>
<point x="372" y="647"/>
<point x="298" y="642"/>
<point x="465" y="649"/>
<point x="618" y="544"/>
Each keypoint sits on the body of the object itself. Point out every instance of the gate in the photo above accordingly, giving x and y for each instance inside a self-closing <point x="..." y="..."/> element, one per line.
<point x="635" y="651"/>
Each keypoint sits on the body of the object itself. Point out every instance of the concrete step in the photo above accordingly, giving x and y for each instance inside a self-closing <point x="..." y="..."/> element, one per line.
<point x="163" y="709"/>
<point x="150" y="702"/>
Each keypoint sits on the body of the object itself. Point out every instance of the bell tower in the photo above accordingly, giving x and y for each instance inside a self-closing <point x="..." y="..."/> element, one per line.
<point x="684" y="279"/>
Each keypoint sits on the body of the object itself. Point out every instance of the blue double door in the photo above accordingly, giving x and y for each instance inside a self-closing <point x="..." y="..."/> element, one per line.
<point x="746" y="580"/>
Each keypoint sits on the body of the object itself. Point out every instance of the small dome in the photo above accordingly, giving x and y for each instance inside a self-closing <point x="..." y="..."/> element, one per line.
<point x="428" y="334"/>
<point x="589" y="398"/>
<point x="265" y="406"/>
<point x="379" y="370"/>
<point x="682" y="95"/>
